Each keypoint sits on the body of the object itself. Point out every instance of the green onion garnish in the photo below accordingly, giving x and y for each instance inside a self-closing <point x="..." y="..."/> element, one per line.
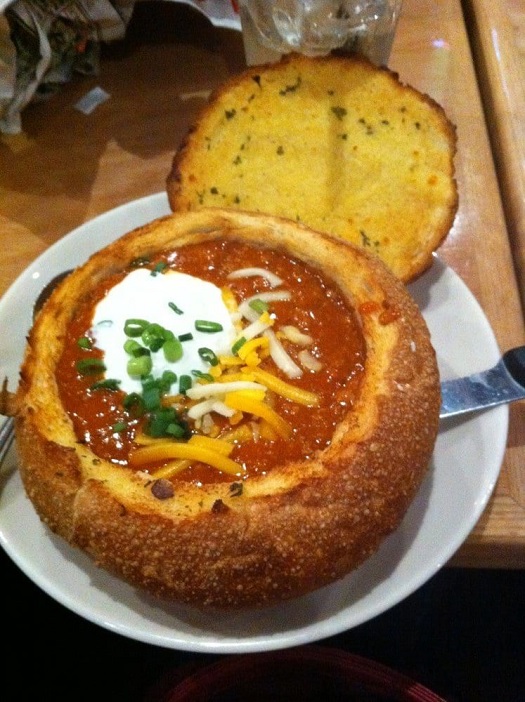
<point x="174" y="307"/>
<point x="135" y="327"/>
<point x="153" y="336"/>
<point x="167" y="380"/>
<point x="166" y="422"/>
<point x="131" y="346"/>
<point x="85" y="342"/>
<point x="107" y="384"/>
<point x="185" y="383"/>
<point x="159" y="268"/>
<point x="134" y="404"/>
<point x="139" y="365"/>
<point x="237" y="345"/>
<point x="208" y="356"/>
<point x="258" y="306"/>
<point x="151" y="397"/>
<point x="178" y="431"/>
<point x="119" y="426"/>
<point x="90" y="366"/>
<point x="203" y="376"/>
<point x="203" y="325"/>
<point x="188" y="336"/>
<point x="172" y="350"/>
<point x="140" y="351"/>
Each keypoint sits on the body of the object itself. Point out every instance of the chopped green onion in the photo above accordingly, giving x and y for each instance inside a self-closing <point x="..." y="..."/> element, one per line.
<point x="208" y="355"/>
<point x="140" y="351"/>
<point x="176" y="430"/>
<point x="165" y="422"/>
<point x="131" y="346"/>
<point x="139" y="365"/>
<point x="172" y="350"/>
<point x="135" y="327"/>
<point x="185" y="383"/>
<point x="159" y="268"/>
<point x="119" y="426"/>
<point x="148" y="381"/>
<point x="188" y="336"/>
<point x="259" y="306"/>
<point x="203" y="376"/>
<point x="108" y="384"/>
<point x="167" y="380"/>
<point x="237" y="345"/>
<point x="174" y="307"/>
<point x="134" y="404"/>
<point x="151" y="397"/>
<point x="90" y="366"/>
<point x="153" y="336"/>
<point x="85" y="342"/>
<point x="203" y="325"/>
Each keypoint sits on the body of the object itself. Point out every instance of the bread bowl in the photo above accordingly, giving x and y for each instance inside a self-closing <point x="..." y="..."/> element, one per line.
<point x="274" y="528"/>
<point x="334" y="142"/>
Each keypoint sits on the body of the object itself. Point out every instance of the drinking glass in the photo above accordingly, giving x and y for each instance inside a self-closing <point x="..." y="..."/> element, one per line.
<point x="272" y="28"/>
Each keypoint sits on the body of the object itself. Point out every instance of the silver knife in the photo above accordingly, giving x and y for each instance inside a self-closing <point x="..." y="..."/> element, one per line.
<point x="503" y="383"/>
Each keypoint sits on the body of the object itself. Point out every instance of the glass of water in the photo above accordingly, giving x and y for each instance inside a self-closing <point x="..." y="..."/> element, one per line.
<point x="272" y="28"/>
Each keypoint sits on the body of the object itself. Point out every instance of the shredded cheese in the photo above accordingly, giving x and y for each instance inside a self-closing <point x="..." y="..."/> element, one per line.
<point x="281" y="357"/>
<point x="190" y="450"/>
<point x="197" y="392"/>
<point x="296" y="336"/>
<point x="309" y="361"/>
<point x="259" y="409"/>
<point x="272" y="278"/>
<point x="284" y="389"/>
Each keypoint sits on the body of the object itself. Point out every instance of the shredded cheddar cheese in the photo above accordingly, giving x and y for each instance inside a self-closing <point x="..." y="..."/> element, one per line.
<point x="281" y="387"/>
<point x="243" y="403"/>
<point x="191" y="450"/>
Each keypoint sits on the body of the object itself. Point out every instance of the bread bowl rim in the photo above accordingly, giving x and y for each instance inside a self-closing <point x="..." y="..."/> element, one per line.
<point x="198" y="216"/>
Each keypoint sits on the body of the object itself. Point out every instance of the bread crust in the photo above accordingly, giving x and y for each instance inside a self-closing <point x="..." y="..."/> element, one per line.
<point x="302" y="526"/>
<point x="334" y="142"/>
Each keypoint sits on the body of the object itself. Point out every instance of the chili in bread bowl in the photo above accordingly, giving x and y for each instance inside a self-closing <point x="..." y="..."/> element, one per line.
<point x="334" y="142"/>
<point x="278" y="469"/>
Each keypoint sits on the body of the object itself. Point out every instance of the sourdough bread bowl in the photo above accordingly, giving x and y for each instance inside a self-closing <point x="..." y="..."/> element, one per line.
<point x="334" y="142"/>
<point x="330" y="431"/>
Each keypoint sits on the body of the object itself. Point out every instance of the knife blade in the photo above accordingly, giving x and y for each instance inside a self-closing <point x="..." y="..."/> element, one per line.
<point x="501" y="384"/>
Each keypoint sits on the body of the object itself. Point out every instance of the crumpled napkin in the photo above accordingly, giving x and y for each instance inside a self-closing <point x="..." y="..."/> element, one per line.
<point x="43" y="43"/>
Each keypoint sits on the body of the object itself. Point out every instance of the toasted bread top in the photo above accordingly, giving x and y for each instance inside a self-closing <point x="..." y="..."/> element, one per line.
<point x="333" y="142"/>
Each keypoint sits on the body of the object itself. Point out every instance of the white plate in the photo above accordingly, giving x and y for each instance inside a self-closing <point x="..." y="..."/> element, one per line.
<point x="463" y="473"/>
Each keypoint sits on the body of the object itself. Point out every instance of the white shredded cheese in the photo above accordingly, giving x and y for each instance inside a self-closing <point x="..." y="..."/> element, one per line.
<point x="281" y="357"/>
<point x="255" y="328"/>
<point x="210" y="405"/>
<point x="272" y="279"/>
<point x="274" y="296"/>
<point x="309" y="361"/>
<point x="296" y="336"/>
<point x="210" y="389"/>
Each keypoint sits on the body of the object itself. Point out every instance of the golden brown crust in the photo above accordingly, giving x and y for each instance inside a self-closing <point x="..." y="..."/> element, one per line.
<point x="300" y="527"/>
<point x="334" y="142"/>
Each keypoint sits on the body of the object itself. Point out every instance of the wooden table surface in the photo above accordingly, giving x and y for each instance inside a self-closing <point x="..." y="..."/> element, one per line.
<point x="67" y="167"/>
<point x="497" y="31"/>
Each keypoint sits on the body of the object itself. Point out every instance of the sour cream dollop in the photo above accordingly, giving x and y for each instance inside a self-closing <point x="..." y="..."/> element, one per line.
<point x="145" y="295"/>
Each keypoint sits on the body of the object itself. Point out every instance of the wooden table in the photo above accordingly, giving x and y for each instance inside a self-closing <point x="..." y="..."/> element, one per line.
<point x="67" y="167"/>
<point x="497" y="31"/>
